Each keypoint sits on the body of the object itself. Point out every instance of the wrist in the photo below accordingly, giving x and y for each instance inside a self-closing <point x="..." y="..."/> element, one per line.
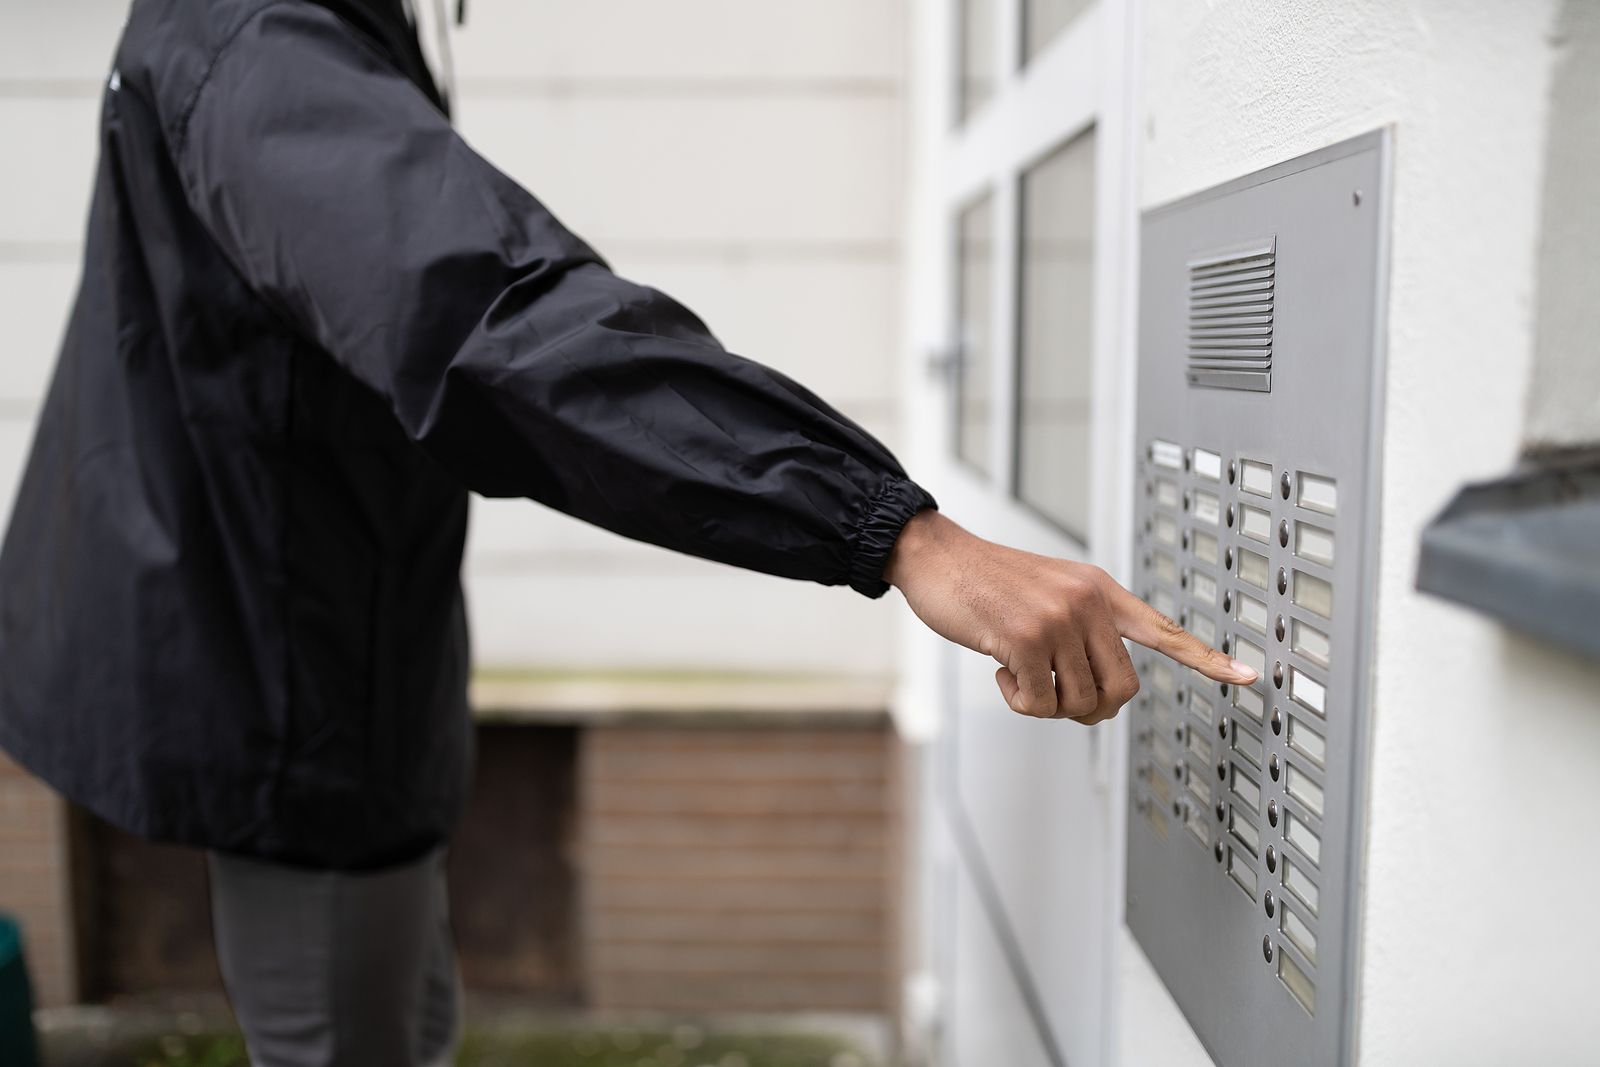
<point x="922" y="537"/>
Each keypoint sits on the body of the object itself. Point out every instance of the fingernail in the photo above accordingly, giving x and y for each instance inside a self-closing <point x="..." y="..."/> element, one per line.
<point x="1248" y="672"/>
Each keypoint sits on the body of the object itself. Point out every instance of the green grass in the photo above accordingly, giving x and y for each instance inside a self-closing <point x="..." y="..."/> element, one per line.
<point x="683" y="1046"/>
<point x="198" y="1051"/>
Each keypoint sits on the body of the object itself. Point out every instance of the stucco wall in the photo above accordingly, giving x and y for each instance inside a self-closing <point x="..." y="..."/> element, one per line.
<point x="1486" y="747"/>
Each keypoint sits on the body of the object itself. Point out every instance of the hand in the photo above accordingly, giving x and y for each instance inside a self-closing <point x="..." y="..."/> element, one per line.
<point x="1056" y="627"/>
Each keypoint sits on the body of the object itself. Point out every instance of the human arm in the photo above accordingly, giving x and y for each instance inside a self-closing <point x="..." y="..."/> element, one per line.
<point x="509" y="350"/>
<point x="1055" y="627"/>
<point x="503" y="344"/>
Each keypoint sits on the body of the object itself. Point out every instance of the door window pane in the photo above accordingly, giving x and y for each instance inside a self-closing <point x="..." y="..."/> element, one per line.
<point x="1043" y="19"/>
<point x="974" y="329"/>
<point x="977" y="54"/>
<point x="1055" y="335"/>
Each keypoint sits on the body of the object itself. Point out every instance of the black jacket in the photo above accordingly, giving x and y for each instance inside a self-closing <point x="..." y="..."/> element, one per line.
<point x="311" y="319"/>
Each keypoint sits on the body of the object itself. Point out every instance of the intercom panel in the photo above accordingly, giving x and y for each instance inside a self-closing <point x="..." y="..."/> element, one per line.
<point x="1260" y="341"/>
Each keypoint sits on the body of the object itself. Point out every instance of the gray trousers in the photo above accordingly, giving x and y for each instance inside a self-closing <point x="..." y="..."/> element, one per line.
<point x="326" y="969"/>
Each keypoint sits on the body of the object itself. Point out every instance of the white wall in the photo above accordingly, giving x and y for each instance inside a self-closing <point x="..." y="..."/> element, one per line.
<point x="1564" y="395"/>
<point x="54" y="59"/>
<point x="1479" y="936"/>
<point x="745" y="157"/>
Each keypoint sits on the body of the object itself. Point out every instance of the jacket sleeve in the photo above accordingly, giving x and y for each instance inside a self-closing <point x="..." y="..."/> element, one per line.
<point x="505" y="346"/>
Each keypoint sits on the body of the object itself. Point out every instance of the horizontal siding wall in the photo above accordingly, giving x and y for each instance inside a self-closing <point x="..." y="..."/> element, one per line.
<point x="727" y="870"/>
<point x="54" y="59"/>
<point x="745" y="158"/>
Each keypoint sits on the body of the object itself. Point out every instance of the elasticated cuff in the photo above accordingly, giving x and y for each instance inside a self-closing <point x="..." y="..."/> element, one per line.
<point x="896" y="501"/>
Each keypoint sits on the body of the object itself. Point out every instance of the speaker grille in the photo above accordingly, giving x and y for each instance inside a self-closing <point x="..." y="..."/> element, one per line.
<point x="1230" y="317"/>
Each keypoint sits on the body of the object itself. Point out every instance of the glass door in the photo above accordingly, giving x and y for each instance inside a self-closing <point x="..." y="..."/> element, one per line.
<point x="1021" y="249"/>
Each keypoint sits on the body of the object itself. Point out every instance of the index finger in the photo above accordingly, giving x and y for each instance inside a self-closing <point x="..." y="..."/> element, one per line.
<point x="1138" y="621"/>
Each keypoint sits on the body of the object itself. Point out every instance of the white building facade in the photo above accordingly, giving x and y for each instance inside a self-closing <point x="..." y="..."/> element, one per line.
<point x="1482" y="745"/>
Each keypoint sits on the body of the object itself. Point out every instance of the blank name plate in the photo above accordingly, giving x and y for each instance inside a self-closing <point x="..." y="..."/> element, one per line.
<point x="1260" y="306"/>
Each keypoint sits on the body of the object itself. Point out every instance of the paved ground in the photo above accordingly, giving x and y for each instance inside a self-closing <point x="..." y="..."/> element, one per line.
<point x="199" y="1033"/>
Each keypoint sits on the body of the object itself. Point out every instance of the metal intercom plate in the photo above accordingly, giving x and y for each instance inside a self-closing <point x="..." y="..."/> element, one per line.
<point x="1260" y="372"/>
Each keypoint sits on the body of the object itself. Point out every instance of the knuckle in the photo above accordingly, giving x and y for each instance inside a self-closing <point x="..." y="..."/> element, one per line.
<point x="1168" y="627"/>
<point x="1033" y="709"/>
<point x="1096" y="576"/>
<point x="1078" y="705"/>
<point x="1032" y="631"/>
<point x="1079" y="587"/>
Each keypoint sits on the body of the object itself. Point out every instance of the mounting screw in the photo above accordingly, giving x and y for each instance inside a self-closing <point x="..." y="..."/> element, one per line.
<point x="1279" y="629"/>
<point x="1283" y="534"/>
<point x="1216" y="850"/>
<point x="1183" y="580"/>
<point x="1222" y="726"/>
<point x="1185" y="540"/>
<point x="1222" y="811"/>
<point x="1285" y="484"/>
<point x="1283" y="581"/>
<point x="1233" y="471"/>
<point x="1227" y="559"/>
<point x="1227" y="602"/>
<point x="1277" y="721"/>
<point x="1272" y="858"/>
<point x="1277" y="675"/>
<point x="1272" y="812"/>
<point x="1266" y="948"/>
<point x="1187" y="500"/>
<point x="1230" y="515"/>
<point x="1274" y="768"/>
<point x="1270" y="904"/>
<point x="1222" y="770"/>
<point x="1355" y="198"/>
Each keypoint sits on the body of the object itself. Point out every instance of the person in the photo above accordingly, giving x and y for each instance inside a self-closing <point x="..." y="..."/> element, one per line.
<point x="311" y="320"/>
